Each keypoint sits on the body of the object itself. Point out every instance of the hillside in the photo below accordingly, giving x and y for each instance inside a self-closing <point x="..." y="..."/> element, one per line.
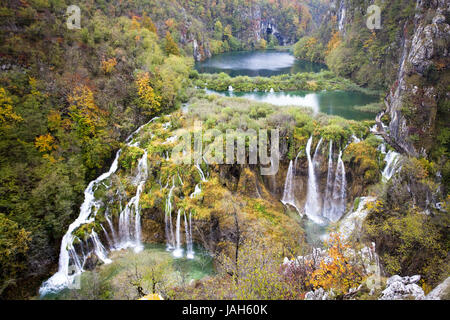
<point x="70" y="98"/>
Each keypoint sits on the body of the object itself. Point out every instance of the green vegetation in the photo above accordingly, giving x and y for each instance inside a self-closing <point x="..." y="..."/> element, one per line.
<point x="69" y="98"/>
<point x="368" y="57"/>
<point x="374" y="108"/>
<point x="106" y="79"/>
<point x="132" y="275"/>
<point x="325" y="80"/>
<point x="411" y="235"/>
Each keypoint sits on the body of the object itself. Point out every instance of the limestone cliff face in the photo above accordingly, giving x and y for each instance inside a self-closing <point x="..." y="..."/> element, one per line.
<point x="421" y="45"/>
<point x="412" y="102"/>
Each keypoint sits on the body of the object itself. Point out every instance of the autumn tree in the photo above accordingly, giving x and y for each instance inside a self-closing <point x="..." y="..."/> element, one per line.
<point x="89" y="123"/>
<point x="218" y="30"/>
<point x="148" y="101"/>
<point x="228" y="32"/>
<point x="338" y="272"/>
<point x="108" y="65"/>
<point x="171" y="46"/>
<point x="7" y="114"/>
<point x="14" y="243"/>
<point x="147" y="22"/>
<point x="334" y="42"/>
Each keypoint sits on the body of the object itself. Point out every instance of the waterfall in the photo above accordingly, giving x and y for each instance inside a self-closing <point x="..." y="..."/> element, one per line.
<point x="190" y="244"/>
<point x="312" y="206"/>
<point x="61" y="278"/>
<point x="168" y="219"/>
<point x="296" y="159"/>
<point x="110" y="242"/>
<point x="200" y="171"/>
<point x="288" y="194"/>
<point x="178" y="252"/>
<point x="197" y="190"/>
<point x="99" y="249"/>
<point x="392" y="160"/>
<point x="317" y="151"/>
<point x="130" y="234"/>
<point x="329" y="187"/>
<point x="111" y="227"/>
<point x="355" y="139"/>
<point x="230" y="89"/>
<point x="188" y="230"/>
<point x="339" y="192"/>
<point x="68" y="257"/>
<point x="143" y="175"/>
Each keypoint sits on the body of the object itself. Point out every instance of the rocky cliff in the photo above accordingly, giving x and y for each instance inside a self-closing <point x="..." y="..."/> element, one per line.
<point x="413" y="101"/>
<point x="416" y="60"/>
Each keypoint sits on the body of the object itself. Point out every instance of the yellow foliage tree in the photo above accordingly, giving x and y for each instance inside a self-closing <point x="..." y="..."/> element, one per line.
<point x="311" y="42"/>
<point x="148" y="100"/>
<point x="109" y="65"/>
<point x="334" y="42"/>
<point x="135" y="24"/>
<point x="7" y="114"/>
<point x="337" y="273"/>
<point x="263" y="44"/>
<point x="88" y="118"/>
<point x="147" y="22"/>
<point x="171" y="46"/>
<point x="45" y="143"/>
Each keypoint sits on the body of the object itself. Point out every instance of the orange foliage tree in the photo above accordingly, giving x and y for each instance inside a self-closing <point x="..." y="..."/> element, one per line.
<point x="334" y="42"/>
<point x="337" y="272"/>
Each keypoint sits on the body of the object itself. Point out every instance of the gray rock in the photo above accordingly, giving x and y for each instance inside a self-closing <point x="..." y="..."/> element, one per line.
<point x="319" y="294"/>
<point x="401" y="288"/>
<point x="441" y="292"/>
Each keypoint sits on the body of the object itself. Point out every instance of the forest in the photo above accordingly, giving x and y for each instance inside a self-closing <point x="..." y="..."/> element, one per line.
<point x="69" y="98"/>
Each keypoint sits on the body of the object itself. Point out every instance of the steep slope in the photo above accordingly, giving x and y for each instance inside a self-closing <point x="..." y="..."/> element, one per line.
<point x="418" y="102"/>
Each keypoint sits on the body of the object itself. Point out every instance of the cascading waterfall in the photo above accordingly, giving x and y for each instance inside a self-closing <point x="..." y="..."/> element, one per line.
<point x="329" y="187"/>
<point x="186" y="231"/>
<point x="189" y="244"/>
<point x="288" y="194"/>
<point x="392" y="164"/>
<point x="178" y="252"/>
<point x="62" y="278"/>
<point x="168" y="219"/>
<point x="197" y="190"/>
<point x="130" y="233"/>
<point x="355" y="139"/>
<point x="99" y="249"/>
<point x="200" y="171"/>
<point x="69" y="264"/>
<point x="111" y="227"/>
<point x="316" y="163"/>
<point x="339" y="192"/>
<point x="108" y="238"/>
<point x="312" y="206"/>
